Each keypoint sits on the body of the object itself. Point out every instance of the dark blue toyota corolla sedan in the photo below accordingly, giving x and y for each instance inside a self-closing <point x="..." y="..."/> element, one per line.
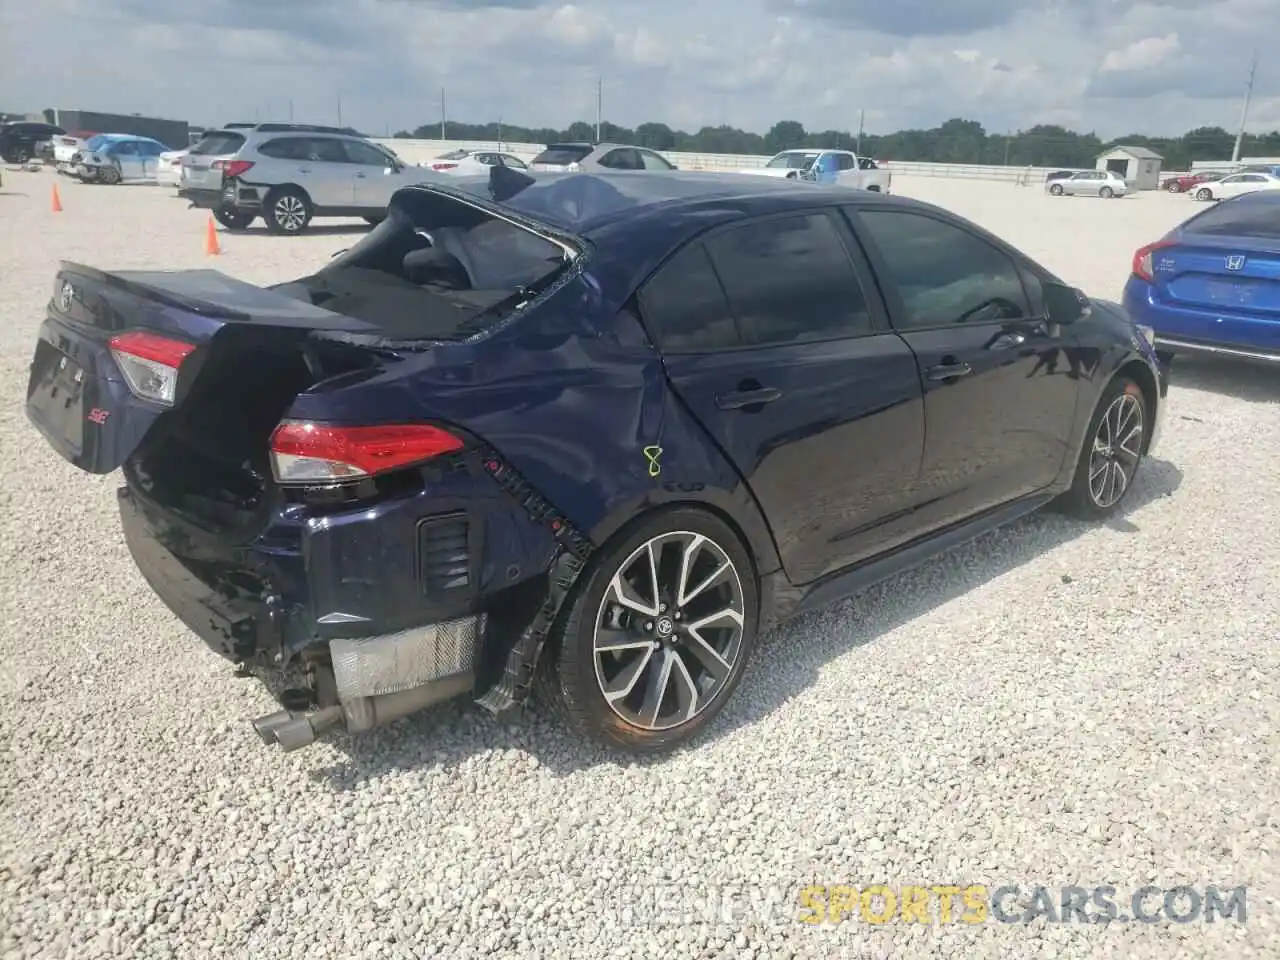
<point x="1212" y="285"/>
<point x="591" y="433"/>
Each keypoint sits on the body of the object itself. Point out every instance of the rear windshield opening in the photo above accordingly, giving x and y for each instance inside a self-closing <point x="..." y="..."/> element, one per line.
<point x="436" y="269"/>
<point x="562" y="155"/>
<point x="218" y="144"/>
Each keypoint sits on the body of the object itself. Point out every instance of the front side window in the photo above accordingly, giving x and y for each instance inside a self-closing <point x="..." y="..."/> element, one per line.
<point x="944" y="274"/>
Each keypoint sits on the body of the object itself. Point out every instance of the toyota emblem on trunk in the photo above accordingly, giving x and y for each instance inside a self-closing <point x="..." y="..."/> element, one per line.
<point x="1236" y="262"/>
<point x="66" y="297"/>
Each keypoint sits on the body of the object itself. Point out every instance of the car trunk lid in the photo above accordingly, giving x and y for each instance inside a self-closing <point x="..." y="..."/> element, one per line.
<point x="1223" y="275"/>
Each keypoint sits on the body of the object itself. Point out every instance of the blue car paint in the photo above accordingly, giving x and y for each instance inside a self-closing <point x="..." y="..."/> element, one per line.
<point x="574" y="396"/>
<point x="1196" y="301"/>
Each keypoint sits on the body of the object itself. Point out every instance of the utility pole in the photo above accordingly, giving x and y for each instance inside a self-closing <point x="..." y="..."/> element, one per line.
<point x="857" y="145"/>
<point x="291" y="111"/>
<point x="339" y="109"/>
<point x="1244" y="110"/>
<point x="442" y="120"/>
<point x="500" y="144"/>
<point x="599" y="104"/>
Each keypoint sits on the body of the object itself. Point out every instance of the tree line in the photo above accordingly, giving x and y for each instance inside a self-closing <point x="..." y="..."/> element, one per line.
<point x="956" y="141"/>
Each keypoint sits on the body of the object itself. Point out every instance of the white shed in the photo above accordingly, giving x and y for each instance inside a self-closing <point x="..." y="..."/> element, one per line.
<point x="1139" y="166"/>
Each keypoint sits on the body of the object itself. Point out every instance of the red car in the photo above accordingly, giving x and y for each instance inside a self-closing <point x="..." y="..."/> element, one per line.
<point x="1183" y="183"/>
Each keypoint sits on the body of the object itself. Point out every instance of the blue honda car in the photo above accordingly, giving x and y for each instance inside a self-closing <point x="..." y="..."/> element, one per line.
<point x="589" y="433"/>
<point x="1212" y="285"/>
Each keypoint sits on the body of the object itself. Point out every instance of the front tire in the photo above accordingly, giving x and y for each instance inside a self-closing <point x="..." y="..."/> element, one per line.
<point x="287" y="211"/>
<point x="1106" y="193"/>
<point x="1204" y="193"/>
<point x="109" y="175"/>
<point x="1173" y="187"/>
<point x="1056" y="190"/>
<point x="1111" y="453"/>
<point x="657" y="635"/>
<point x="234" y="219"/>
<point x="19" y="155"/>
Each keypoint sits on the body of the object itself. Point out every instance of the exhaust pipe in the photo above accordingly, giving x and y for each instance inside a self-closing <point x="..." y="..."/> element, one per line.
<point x="359" y="715"/>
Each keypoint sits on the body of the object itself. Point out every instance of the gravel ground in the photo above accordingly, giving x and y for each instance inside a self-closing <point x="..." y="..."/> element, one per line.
<point x="1056" y="704"/>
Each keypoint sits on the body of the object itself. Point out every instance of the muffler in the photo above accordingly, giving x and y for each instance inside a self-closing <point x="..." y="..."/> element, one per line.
<point x="378" y="680"/>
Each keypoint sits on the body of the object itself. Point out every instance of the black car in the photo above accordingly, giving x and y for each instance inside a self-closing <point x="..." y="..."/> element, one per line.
<point x="596" y="431"/>
<point x="20" y="141"/>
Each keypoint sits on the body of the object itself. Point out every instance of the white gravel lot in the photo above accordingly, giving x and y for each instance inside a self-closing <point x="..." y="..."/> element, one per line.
<point x="1056" y="704"/>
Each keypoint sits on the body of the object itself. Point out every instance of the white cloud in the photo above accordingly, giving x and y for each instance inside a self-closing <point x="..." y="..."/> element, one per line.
<point x="1114" y="67"/>
<point x="1141" y="54"/>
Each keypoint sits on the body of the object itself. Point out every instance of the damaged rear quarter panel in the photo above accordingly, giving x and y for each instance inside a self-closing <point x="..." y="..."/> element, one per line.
<point x="570" y="395"/>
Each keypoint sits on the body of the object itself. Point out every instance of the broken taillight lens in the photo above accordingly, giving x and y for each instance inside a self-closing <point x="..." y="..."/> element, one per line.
<point x="232" y="168"/>
<point x="443" y="166"/>
<point x="322" y="453"/>
<point x="150" y="364"/>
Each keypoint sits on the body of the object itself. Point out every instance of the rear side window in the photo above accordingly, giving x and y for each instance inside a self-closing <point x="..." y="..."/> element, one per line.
<point x="622" y="160"/>
<point x="653" y="161"/>
<point x="220" y="144"/>
<point x="790" y="280"/>
<point x="945" y="275"/>
<point x="685" y="306"/>
<point x="288" y="148"/>
<point x="562" y="155"/>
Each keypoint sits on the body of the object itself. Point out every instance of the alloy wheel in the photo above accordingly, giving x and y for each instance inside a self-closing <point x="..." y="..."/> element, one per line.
<point x="290" y="213"/>
<point x="669" y="631"/>
<point x="1117" y="448"/>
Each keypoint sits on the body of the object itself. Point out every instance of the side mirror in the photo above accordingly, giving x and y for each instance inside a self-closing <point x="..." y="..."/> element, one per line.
<point x="1064" y="304"/>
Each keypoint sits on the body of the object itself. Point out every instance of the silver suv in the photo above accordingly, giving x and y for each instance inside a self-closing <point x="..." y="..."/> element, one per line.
<point x="288" y="173"/>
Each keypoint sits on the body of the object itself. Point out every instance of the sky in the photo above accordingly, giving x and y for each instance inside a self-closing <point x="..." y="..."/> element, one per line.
<point x="1110" y="66"/>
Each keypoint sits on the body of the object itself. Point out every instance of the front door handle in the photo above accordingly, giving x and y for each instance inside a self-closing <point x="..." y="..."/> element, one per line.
<point x="949" y="371"/>
<point x="747" y="398"/>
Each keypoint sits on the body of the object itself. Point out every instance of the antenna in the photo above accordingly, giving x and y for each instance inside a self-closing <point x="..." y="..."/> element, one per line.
<point x="1244" y="110"/>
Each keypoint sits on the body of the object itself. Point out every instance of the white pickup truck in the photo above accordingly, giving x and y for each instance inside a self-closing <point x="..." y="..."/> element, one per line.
<point x="826" y="166"/>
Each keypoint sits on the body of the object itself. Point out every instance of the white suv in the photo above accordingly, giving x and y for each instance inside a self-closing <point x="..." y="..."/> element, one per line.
<point x="288" y="173"/>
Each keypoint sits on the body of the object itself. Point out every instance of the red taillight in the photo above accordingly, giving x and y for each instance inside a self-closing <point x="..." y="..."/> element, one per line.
<point x="443" y="166"/>
<point x="1142" y="267"/>
<point x="314" y="453"/>
<point x="150" y="364"/>
<point x="232" y="168"/>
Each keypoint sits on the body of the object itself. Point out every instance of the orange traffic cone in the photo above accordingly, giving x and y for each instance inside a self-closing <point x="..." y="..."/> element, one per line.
<point x="211" y="247"/>
<point x="56" y="201"/>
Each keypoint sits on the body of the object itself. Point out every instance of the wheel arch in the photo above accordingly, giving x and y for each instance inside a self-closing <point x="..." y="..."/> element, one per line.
<point x="1140" y="373"/>
<point x="279" y="187"/>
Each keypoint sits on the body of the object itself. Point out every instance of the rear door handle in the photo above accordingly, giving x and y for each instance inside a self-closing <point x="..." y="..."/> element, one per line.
<point x="948" y="371"/>
<point x="747" y="398"/>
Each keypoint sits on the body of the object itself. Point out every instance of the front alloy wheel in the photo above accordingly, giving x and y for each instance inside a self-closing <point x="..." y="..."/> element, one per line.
<point x="1117" y="450"/>
<point x="669" y="631"/>
<point x="1113" y="450"/>
<point x="657" y="633"/>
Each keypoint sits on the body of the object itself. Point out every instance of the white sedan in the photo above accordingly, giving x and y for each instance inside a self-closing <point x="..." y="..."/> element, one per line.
<point x="472" y="162"/>
<point x="169" y="169"/>
<point x="1234" y="186"/>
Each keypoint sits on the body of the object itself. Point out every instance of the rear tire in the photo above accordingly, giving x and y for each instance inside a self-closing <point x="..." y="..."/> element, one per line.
<point x="1056" y="190"/>
<point x="109" y="175"/>
<point x="654" y="651"/>
<point x="19" y="155"/>
<point x="1106" y="193"/>
<point x="1204" y="193"/>
<point x="1173" y="187"/>
<point x="287" y="211"/>
<point x="234" y="219"/>
<point x="1111" y="454"/>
